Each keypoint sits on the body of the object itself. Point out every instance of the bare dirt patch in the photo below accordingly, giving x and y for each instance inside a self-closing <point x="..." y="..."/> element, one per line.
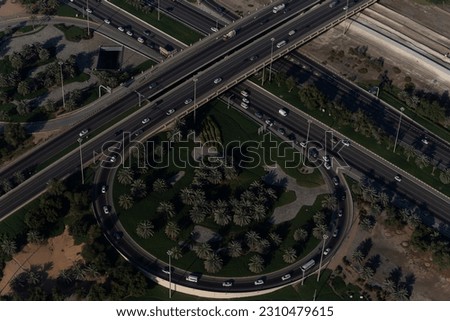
<point x="12" y="8"/>
<point x="57" y="254"/>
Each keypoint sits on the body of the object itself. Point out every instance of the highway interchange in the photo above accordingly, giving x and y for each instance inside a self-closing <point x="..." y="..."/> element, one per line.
<point x="240" y="50"/>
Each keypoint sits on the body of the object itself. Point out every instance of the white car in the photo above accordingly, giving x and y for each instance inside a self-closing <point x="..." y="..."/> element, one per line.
<point x="286" y="277"/>
<point x="398" y="178"/>
<point x="188" y="101"/>
<point x="283" y="112"/>
<point x="88" y="10"/>
<point x="130" y="33"/>
<point x="145" y="120"/>
<point x="259" y="282"/>
<point x="227" y="283"/>
<point x="106" y="209"/>
<point x="327" y="250"/>
<point x="217" y="80"/>
<point x="103" y="189"/>
<point x="326" y="158"/>
<point x="107" y="21"/>
<point x="345" y="142"/>
<point x="140" y="39"/>
<point x="425" y="141"/>
<point x="245" y="93"/>
<point x="214" y="29"/>
<point x="303" y="144"/>
<point x="122" y="29"/>
<point x="84" y="132"/>
<point x="112" y="159"/>
<point x="327" y="165"/>
<point x="335" y="233"/>
<point x="244" y="105"/>
<point x="269" y="122"/>
<point x="291" y="33"/>
<point x="170" y="112"/>
<point x="166" y="270"/>
<point x="245" y="100"/>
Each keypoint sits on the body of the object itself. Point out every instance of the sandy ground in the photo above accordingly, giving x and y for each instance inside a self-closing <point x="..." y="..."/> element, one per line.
<point x="57" y="254"/>
<point x="11" y="8"/>
<point x="394" y="250"/>
<point x="243" y="7"/>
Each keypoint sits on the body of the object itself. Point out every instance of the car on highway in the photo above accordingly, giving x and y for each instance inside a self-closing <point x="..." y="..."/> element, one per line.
<point x="345" y="142"/>
<point x="167" y="270"/>
<point x="214" y="29"/>
<point x="283" y="112"/>
<point x="107" y="21"/>
<point x="88" y="10"/>
<point x="345" y="8"/>
<point x="334" y="3"/>
<point x="259" y="282"/>
<point x="245" y="93"/>
<point x="244" y="105"/>
<point x="425" y="141"/>
<point x="269" y="122"/>
<point x="146" y="32"/>
<point x="120" y="28"/>
<point x="340" y="212"/>
<point x="303" y="144"/>
<point x="188" y="101"/>
<point x="104" y="189"/>
<point x="227" y="284"/>
<point x="335" y="180"/>
<point x="326" y="158"/>
<point x="327" y="250"/>
<point x="245" y="100"/>
<point x="117" y="235"/>
<point x="145" y="120"/>
<point x="112" y="159"/>
<point x="106" y="209"/>
<point x="292" y="32"/>
<point x="130" y="33"/>
<point x="253" y="58"/>
<point x="140" y="40"/>
<point x="286" y="277"/>
<point x="281" y="44"/>
<point x="83" y="132"/>
<point x="335" y="233"/>
<point x="259" y="115"/>
<point x="398" y="178"/>
<point x="282" y="131"/>
<point x="170" y="112"/>
<point x="327" y="165"/>
<point x="153" y="85"/>
<point x="217" y="80"/>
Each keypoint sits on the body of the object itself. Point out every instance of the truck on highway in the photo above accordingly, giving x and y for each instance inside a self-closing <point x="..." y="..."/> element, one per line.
<point x="229" y="35"/>
<point x="278" y="8"/>
<point x="305" y="267"/>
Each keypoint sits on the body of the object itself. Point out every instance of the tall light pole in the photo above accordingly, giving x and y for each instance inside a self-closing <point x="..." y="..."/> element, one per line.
<point x="309" y="127"/>
<point x="271" y="57"/>
<point x="324" y="237"/>
<point x="80" y="140"/>
<point x="195" y="95"/>
<point x="169" y="253"/>
<point x="398" y="128"/>
<point x="62" y="84"/>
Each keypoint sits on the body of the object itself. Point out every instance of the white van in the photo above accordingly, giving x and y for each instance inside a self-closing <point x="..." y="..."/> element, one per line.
<point x="192" y="278"/>
<point x="283" y="112"/>
<point x="281" y="44"/>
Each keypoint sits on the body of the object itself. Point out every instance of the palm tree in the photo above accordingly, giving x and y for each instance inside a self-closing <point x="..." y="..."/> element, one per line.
<point x="276" y="238"/>
<point x="290" y="83"/>
<point x="369" y="193"/>
<point x="405" y="214"/>
<point x="91" y="271"/>
<point x="367" y="273"/>
<point x="125" y="176"/>
<point x="213" y="263"/>
<point x="8" y="246"/>
<point x="138" y="188"/>
<point x="389" y="286"/>
<point x="33" y="278"/>
<point x="319" y="217"/>
<point x="126" y="201"/>
<point x="145" y="229"/>
<point x="6" y="185"/>
<point x="256" y="264"/>
<point x="262" y="246"/>
<point x="400" y="294"/>
<point x="409" y="152"/>
<point x="241" y="218"/>
<point x="319" y="231"/>
<point x="19" y="177"/>
<point x="66" y="276"/>
<point x="252" y="239"/>
<point x="357" y="256"/>
<point x="259" y="212"/>
<point x="176" y="252"/>
<point x="167" y="208"/>
<point x="34" y="237"/>
<point x="383" y="198"/>
<point x="330" y="202"/>
<point x="203" y="250"/>
<point x="422" y="161"/>
<point x="234" y="249"/>
<point x="444" y="176"/>
<point x="289" y="255"/>
<point x="197" y="214"/>
<point x="172" y="230"/>
<point x="221" y="213"/>
<point x="300" y="234"/>
<point x="160" y="185"/>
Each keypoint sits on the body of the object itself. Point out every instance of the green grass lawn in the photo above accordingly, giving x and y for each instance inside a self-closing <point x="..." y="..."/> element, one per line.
<point x="233" y="126"/>
<point x="165" y="24"/>
<point x="73" y="33"/>
<point x="66" y="11"/>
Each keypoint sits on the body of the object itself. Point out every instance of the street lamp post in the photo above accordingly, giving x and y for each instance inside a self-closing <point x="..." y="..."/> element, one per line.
<point x="195" y="95"/>
<point x="62" y="83"/>
<point x="398" y="127"/>
<point x="309" y="127"/>
<point x="169" y="253"/>
<point x="324" y="237"/>
<point x="271" y="57"/>
<point x="80" y="140"/>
